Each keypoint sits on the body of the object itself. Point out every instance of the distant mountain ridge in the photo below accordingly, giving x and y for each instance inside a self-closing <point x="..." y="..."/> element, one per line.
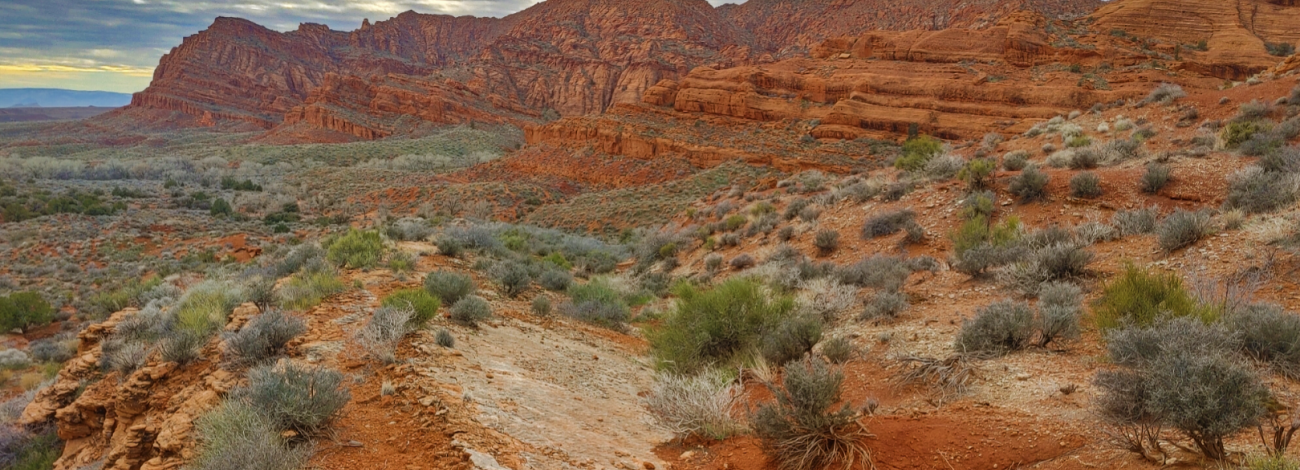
<point x="60" y="98"/>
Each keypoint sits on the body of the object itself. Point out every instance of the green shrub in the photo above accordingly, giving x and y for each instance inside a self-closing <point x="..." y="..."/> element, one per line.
<point x="978" y="204"/>
<point x="887" y="304"/>
<point x="1255" y="190"/>
<point x="997" y="329"/>
<point x="1030" y="185"/>
<point x="1155" y="178"/>
<point x="470" y="310"/>
<point x="1280" y="49"/>
<point x="514" y="277"/>
<point x="917" y="152"/>
<point x="205" y="308"/>
<point x="1139" y="298"/>
<point x="888" y="223"/>
<point x="423" y="305"/>
<point x="1182" y="228"/>
<point x="1085" y="185"/>
<point x="1059" y="307"/>
<point x="1137" y="221"/>
<point x="978" y="174"/>
<point x="597" y="302"/>
<point x="445" y="339"/>
<point x="263" y="337"/>
<point x="236" y="435"/>
<point x="1206" y="397"/>
<point x="802" y="430"/>
<point x="306" y="290"/>
<point x="716" y="326"/>
<point x="541" y="306"/>
<point x="838" y="350"/>
<point x="695" y="405"/>
<point x="295" y="397"/>
<point x="1270" y="334"/>
<point x="792" y="338"/>
<point x="1015" y="160"/>
<point x="22" y="310"/>
<point x="448" y="286"/>
<point x="979" y="245"/>
<point x="555" y="280"/>
<point x="827" y="241"/>
<point x="449" y="247"/>
<point x="220" y="208"/>
<point x="23" y="450"/>
<point x="357" y="249"/>
<point x="1240" y="131"/>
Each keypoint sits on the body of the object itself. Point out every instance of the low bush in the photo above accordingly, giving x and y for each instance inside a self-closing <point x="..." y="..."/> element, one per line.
<point x="205" y="308"/>
<point x="384" y="330"/>
<point x="514" y="277"/>
<point x="979" y="245"/>
<point x="1015" y="160"/>
<point x="1237" y="132"/>
<point x="741" y="262"/>
<point x="885" y="305"/>
<point x="716" y="326"/>
<point x="1280" y="49"/>
<point x="696" y="405"/>
<point x="1182" y="228"/>
<point x="997" y="329"/>
<point x="1030" y="185"/>
<point x="1059" y="307"/>
<point x="449" y="287"/>
<point x="1085" y="185"/>
<point x="555" y="280"/>
<point x="1260" y="144"/>
<point x="888" y="223"/>
<point x="978" y="204"/>
<point x="944" y="167"/>
<point x="308" y="289"/>
<point x="449" y="246"/>
<point x="445" y="339"/>
<point x="22" y="310"/>
<point x="541" y="306"/>
<point x="1255" y="190"/>
<point x="825" y="298"/>
<point x="263" y="337"/>
<point x="356" y="250"/>
<point x="877" y="272"/>
<point x="803" y="430"/>
<point x="1270" y="334"/>
<point x="24" y="450"/>
<point x="1137" y="297"/>
<point x="1164" y="93"/>
<point x="838" y="350"/>
<point x="1085" y="159"/>
<point x="294" y="397"/>
<point x="917" y="152"/>
<point x="1155" y="178"/>
<point x="1285" y="161"/>
<point x="1059" y="261"/>
<point x="409" y="229"/>
<point x="424" y="307"/>
<point x="236" y="436"/>
<point x="827" y="241"/>
<point x="57" y="349"/>
<point x="470" y="310"/>
<point x="1137" y="221"/>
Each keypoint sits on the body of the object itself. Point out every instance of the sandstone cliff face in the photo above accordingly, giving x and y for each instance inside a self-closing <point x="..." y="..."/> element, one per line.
<point x="1234" y="30"/>
<point x="568" y="56"/>
<point x="787" y="28"/>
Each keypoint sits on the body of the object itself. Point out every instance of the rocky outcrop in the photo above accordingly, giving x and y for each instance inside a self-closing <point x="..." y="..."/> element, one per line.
<point x="1234" y="31"/>
<point x="788" y="28"/>
<point x="573" y="57"/>
<point x="141" y="421"/>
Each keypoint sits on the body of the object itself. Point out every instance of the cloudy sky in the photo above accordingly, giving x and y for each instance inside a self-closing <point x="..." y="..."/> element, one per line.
<point x="113" y="45"/>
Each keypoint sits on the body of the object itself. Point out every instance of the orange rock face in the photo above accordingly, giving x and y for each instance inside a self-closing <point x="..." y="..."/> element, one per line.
<point x="573" y="57"/>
